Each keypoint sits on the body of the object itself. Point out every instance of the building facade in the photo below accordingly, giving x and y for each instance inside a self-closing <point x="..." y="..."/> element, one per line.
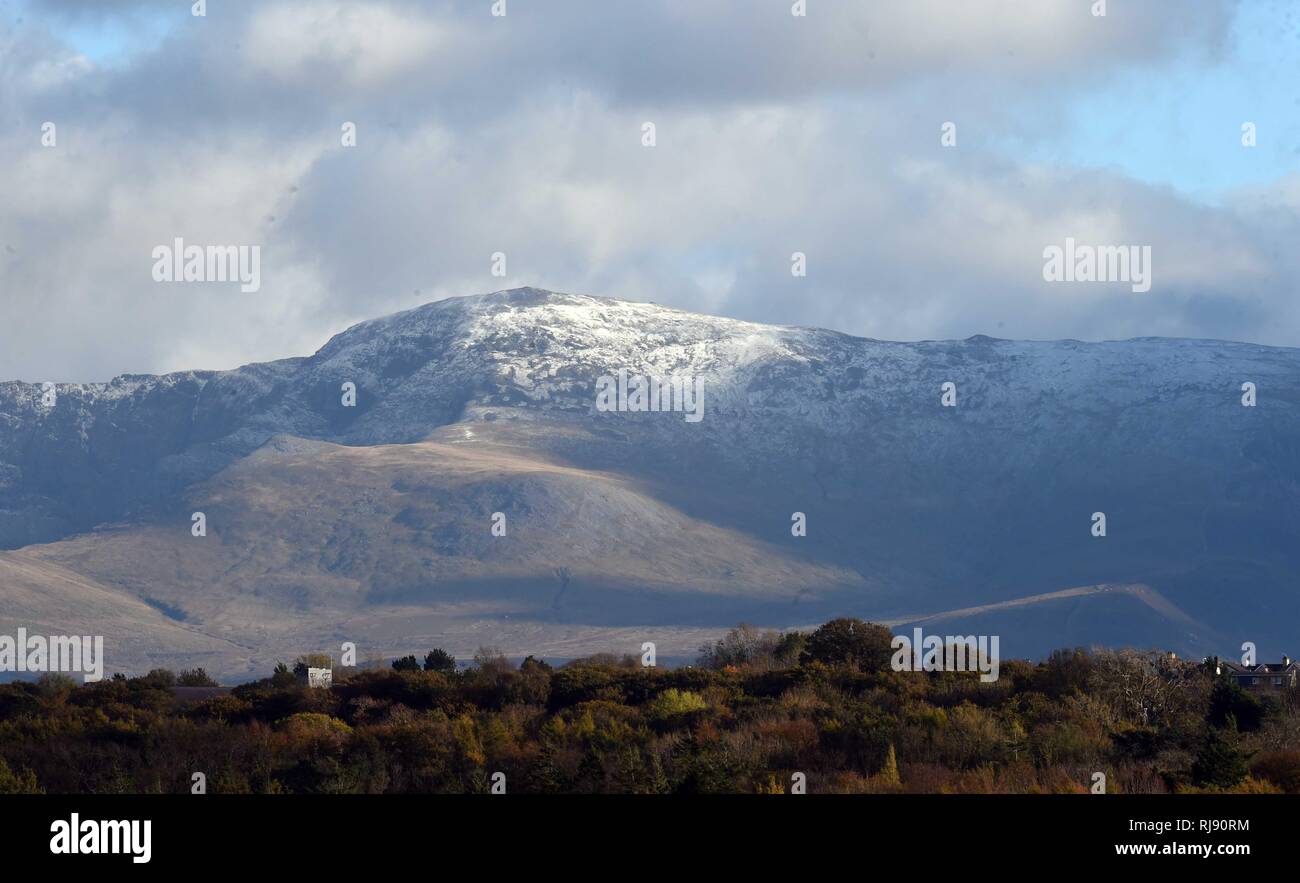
<point x="1261" y="676"/>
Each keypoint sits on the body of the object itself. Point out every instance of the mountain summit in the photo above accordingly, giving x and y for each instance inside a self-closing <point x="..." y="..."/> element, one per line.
<point x="445" y="476"/>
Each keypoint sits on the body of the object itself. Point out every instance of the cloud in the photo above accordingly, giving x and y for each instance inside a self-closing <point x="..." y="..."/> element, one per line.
<point x="361" y="45"/>
<point x="523" y="135"/>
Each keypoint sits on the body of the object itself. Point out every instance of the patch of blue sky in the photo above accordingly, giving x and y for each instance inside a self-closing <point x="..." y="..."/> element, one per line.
<point x="107" y="35"/>
<point x="1180" y="125"/>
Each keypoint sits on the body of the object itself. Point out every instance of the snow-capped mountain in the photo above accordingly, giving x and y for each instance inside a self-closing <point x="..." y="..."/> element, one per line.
<point x="920" y="497"/>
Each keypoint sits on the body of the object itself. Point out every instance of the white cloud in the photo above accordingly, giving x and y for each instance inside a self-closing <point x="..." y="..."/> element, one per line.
<point x="358" y="44"/>
<point x="480" y="135"/>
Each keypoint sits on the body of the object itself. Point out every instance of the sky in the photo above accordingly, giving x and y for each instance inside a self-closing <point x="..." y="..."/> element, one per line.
<point x="522" y="134"/>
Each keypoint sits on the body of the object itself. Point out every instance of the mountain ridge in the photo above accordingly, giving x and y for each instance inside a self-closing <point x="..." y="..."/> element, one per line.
<point x="911" y="505"/>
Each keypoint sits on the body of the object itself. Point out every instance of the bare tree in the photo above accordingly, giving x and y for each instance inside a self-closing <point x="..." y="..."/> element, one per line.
<point x="743" y="645"/>
<point x="1147" y="688"/>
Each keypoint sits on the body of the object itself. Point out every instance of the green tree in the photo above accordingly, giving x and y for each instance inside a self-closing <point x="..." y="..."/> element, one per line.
<point x="533" y="664"/>
<point x="790" y="647"/>
<point x="21" y="782"/>
<point x="161" y="677"/>
<point x="195" y="677"/>
<point x="852" y="642"/>
<point x="889" y="772"/>
<point x="1065" y="672"/>
<point x="282" y="677"/>
<point x="312" y="660"/>
<point x="1218" y="763"/>
<point x="1228" y="702"/>
<point x="672" y="703"/>
<point x="440" y="660"/>
<point x="406" y="663"/>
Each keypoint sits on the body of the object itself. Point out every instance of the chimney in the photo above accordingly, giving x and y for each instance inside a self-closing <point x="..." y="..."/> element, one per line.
<point x="1286" y="660"/>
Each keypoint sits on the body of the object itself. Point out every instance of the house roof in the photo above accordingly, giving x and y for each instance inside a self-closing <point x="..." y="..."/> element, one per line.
<point x="1262" y="668"/>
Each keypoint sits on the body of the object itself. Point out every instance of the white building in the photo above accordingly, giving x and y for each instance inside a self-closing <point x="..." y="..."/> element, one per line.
<point x="319" y="677"/>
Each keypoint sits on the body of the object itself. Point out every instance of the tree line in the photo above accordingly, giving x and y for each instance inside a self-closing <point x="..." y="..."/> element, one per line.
<point x="758" y="708"/>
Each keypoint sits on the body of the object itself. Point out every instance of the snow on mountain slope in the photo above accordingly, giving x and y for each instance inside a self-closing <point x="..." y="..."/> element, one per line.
<point x="936" y="507"/>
